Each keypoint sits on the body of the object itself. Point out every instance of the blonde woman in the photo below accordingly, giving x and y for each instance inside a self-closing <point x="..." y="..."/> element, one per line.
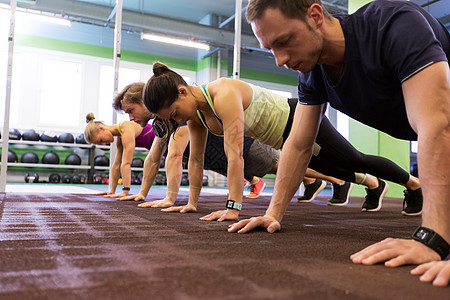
<point x="131" y="135"/>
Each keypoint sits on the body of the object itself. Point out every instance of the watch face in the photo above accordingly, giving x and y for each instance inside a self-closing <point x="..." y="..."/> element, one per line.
<point x="423" y="234"/>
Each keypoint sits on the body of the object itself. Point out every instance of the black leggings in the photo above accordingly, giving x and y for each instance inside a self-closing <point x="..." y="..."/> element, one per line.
<point x="338" y="158"/>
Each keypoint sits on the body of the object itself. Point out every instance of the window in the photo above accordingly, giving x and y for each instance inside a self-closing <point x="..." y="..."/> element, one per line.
<point x="414" y="146"/>
<point x="342" y="125"/>
<point x="126" y="76"/>
<point x="61" y="91"/>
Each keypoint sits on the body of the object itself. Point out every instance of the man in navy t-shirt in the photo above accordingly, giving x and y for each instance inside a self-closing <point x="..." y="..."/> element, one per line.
<point x="386" y="66"/>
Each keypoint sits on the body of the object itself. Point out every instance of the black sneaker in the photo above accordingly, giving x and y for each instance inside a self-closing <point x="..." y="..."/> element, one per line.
<point x="412" y="203"/>
<point x="312" y="190"/>
<point x="341" y="193"/>
<point x="374" y="197"/>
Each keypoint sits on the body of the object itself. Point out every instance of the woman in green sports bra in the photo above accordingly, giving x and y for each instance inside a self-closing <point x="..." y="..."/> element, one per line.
<point x="231" y="99"/>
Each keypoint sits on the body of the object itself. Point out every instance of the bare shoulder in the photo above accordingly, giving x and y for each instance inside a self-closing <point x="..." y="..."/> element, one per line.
<point x="225" y="85"/>
<point x="131" y="127"/>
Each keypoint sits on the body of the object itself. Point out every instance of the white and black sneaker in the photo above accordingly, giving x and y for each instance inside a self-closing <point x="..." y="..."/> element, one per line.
<point x="341" y="193"/>
<point x="312" y="190"/>
<point x="412" y="203"/>
<point x="374" y="197"/>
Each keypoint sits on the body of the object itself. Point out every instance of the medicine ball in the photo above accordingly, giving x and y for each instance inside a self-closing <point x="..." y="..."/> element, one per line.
<point x="50" y="158"/>
<point x="185" y="179"/>
<point x="73" y="159"/>
<point x="97" y="178"/>
<point x="66" y="178"/>
<point x="76" y="178"/>
<point x="49" y="136"/>
<point x="106" y="178"/>
<point x="413" y="169"/>
<point x="162" y="163"/>
<point x="205" y="180"/>
<point x="12" y="156"/>
<point x="30" y="135"/>
<point x="160" y="179"/>
<point x="29" y="158"/>
<point x="137" y="162"/>
<point x="101" y="160"/>
<point x="80" y="139"/>
<point x="133" y="179"/>
<point x="82" y="179"/>
<point x="66" y="138"/>
<point x="54" y="178"/>
<point x="14" y="134"/>
<point x="32" y="177"/>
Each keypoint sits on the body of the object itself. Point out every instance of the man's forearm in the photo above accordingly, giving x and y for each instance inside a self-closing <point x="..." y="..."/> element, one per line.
<point x="291" y="169"/>
<point x="150" y="170"/>
<point x="434" y="169"/>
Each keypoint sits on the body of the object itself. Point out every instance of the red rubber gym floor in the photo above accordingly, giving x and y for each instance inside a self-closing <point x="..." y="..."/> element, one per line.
<point x="78" y="246"/>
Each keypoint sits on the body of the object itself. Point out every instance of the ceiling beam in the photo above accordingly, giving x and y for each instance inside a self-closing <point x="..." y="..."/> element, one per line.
<point x="144" y="22"/>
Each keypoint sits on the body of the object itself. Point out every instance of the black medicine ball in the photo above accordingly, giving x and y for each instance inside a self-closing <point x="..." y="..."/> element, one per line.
<point x="73" y="159"/>
<point x="80" y="139"/>
<point x="160" y="179"/>
<point x="29" y="157"/>
<point x="30" y="135"/>
<point x="50" y="158"/>
<point x="66" y="178"/>
<point x="54" y="178"/>
<point x="97" y="178"/>
<point x="66" y="138"/>
<point x="49" y="136"/>
<point x="76" y="178"/>
<point x="14" y="134"/>
<point x="137" y="162"/>
<point x="32" y="177"/>
<point x="101" y="160"/>
<point x="82" y="178"/>
<point x="12" y="156"/>
<point x="185" y="179"/>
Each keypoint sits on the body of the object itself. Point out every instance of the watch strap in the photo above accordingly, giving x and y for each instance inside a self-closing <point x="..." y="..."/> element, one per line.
<point x="433" y="240"/>
<point x="231" y="204"/>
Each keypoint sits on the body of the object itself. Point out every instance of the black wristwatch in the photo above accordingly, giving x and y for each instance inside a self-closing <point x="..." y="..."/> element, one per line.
<point x="231" y="204"/>
<point x="433" y="240"/>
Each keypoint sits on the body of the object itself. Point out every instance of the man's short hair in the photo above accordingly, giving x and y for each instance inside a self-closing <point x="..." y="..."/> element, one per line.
<point x="131" y="94"/>
<point x="293" y="9"/>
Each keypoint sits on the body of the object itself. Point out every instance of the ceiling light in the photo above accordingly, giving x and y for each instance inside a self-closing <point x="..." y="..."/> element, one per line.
<point x="38" y="16"/>
<point x="45" y="18"/>
<point x="174" y="41"/>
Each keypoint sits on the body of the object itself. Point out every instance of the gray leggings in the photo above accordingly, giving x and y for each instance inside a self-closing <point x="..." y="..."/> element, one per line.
<point x="260" y="159"/>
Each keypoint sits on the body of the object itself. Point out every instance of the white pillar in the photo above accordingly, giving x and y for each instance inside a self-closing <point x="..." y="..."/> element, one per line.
<point x="4" y="161"/>
<point x="237" y="40"/>
<point x="117" y="42"/>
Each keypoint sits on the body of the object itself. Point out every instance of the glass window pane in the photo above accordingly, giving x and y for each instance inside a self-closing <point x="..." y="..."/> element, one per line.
<point x="126" y="76"/>
<point x="342" y="124"/>
<point x="414" y="146"/>
<point x="61" y="90"/>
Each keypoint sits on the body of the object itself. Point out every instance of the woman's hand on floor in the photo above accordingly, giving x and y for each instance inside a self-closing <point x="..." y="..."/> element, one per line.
<point x="222" y="215"/>
<point x="158" y="203"/>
